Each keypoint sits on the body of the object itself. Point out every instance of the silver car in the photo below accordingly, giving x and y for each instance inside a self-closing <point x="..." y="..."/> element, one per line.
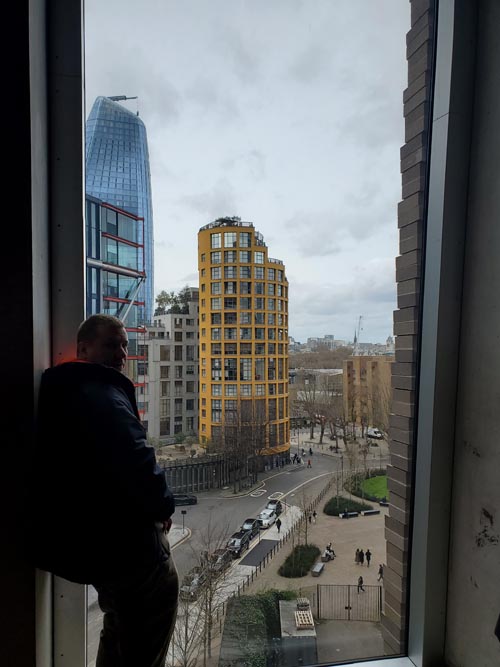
<point x="266" y="518"/>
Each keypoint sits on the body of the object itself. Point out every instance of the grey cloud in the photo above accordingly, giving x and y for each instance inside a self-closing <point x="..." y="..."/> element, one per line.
<point x="215" y="203"/>
<point x="252" y="162"/>
<point x="243" y="60"/>
<point x="204" y="93"/>
<point x="190" y="279"/>
<point x="311" y="64"/>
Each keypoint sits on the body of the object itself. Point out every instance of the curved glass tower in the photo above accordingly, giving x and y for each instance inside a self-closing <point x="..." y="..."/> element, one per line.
<point x="117" y="172"/>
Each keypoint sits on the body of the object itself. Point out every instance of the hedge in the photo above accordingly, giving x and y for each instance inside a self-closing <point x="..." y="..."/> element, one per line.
<point x="338" y="504"/>
<point x="300" y="561"/>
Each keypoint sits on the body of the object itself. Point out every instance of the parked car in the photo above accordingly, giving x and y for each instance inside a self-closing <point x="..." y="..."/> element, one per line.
<point x="251" y="525"/>
<point x="266" y="518"/>
<point x="185" y="499"/>
<point x="192" y="583"/>
<point x="220" y="560"/>
<point x="239" y="542"/>
<point x="276" y="506"/>
<point x="374" y="433"/>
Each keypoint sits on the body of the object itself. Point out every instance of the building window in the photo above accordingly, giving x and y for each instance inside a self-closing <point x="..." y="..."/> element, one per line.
<point x="230" y="256"/>
<point x="202" y="257"/>
<point x="190" y="387"/>
<point x="178" y="371"/>
<point x="164" y="388"/>
<point x="203" y="273"/>
<point x="230" y="240"/>
<point x="215" y="318"/>
<point x="230" y="272"/>
<point x="245" y="348"/>
<point x="215" y="304"/>
<point x="178" y="336"/>
<point x="216" y="333"/>
<point x="230" y="287"/>
<point x="245" y="318"/>
<point x="215" y="240"/>
<point x="259" y="303"/>
<point x="245" y="272"/>
<point x="245" y="287"/>
<point x="230" y="303"/>
<point x="271" y="289"/>
<point x="164" y="407"/>
<point x="245" y="239"/>
<point x="230" y="369"/>
<point x="215" y="288"/>
<point x="260" y="348"/>
<point x="260" y="333"/>
<point x="190" y="404"/>
<point x="280" y="276"/>
<point x="259" y="288"/>
<point x="271" y="319"/>
<point x="231" y="348"/>
<point x="178" y="353"/>
<point x="230" y="333"/>
<point x="260" y="389"/>
<point x="246" y="370"/>
<point x="271" y="304"/>
<point x="245" y="333"/>
<point x="259" y="272"/>
<point x="259" y="318"/>
<point x="164" y="353"/>
<point x="245" y="303"/>
<point x="258" y="257"/>
<point x="164" y="371"/>
<point x="216" y="390"/>
<point x="215" y="273"/>
<point x="215" y="257"/>
<point x="217" y="410"/>
<point x="245" y="257"/>
<point x="231" y="390"/>
<point x="245" y="389"/>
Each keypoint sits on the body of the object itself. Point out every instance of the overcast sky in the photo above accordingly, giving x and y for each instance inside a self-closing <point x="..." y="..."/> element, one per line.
<point x="287" y="113"/>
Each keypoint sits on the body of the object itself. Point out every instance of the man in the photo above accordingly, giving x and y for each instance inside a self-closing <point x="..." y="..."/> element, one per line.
<point x="368" y="556"/>
<point x="278" y="524"/>
<point x="360" y="584"/>
<point x="102" y="505"/>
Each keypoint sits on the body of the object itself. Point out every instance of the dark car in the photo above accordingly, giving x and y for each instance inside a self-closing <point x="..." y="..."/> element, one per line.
<point x="185" y="499"/>
<point x="276" y="506"/>
<point x="220" y="560"/>
<point x="239" y="542"/>
<point x="251" y="525"/>
<point x="192" y="583"/>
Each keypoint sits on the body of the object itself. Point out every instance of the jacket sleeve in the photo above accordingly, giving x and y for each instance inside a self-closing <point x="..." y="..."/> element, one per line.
<point x="130" y="461"/>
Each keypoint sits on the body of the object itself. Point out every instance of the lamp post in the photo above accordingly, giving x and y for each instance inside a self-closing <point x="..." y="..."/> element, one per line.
<point x="183" y="512"/>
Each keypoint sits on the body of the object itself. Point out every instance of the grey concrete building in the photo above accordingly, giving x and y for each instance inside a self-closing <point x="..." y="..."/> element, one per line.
<point x="171" y="402"/>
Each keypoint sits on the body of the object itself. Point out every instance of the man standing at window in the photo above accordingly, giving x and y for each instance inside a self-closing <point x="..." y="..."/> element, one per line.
<point x="102" y="506"/>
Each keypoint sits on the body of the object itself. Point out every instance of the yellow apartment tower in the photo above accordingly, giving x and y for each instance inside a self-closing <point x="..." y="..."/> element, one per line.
<point x="243" y="339"/>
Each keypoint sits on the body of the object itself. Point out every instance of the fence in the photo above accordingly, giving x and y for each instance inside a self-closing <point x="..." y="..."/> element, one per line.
<point x="344" y="602"/>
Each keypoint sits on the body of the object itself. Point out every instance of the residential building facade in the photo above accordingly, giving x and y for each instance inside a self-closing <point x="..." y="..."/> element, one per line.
<point x="171" y="374"/>
<point x="243" y="335"/>
<point x="115" y="275"/>
<point x="117" y="172"/>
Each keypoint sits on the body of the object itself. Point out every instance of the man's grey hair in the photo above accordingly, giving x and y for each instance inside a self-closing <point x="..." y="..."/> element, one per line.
<point x="90" y="328"/>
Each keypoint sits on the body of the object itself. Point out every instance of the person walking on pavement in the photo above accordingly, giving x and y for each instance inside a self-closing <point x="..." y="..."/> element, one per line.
<point x="82" y="540"/>
<point x="310" y="451"/>
<point x="360" y="584"/>
<point x="380" y="572"/>
<point x="278" y="524"/>
<point x="356" y="557"/>
<point x="308" y="463"/>
<point x="361" y="556"/>
<point x="368" y="555"/>
<point x="310" y="517"/>
<point x="315" y="514"/>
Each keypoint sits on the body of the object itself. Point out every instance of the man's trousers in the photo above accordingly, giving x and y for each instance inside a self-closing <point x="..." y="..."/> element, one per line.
<point x="139" y="617"/>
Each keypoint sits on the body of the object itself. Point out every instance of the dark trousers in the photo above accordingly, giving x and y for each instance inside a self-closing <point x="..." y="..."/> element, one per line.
<point x="139" y="617"/>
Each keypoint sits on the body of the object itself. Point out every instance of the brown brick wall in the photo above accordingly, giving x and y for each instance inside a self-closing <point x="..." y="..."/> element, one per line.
<point x="409" y="270"/>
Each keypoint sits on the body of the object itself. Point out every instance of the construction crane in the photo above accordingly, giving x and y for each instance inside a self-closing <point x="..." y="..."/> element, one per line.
<point x="357" y="332"/>
<point x="120" y="98"/>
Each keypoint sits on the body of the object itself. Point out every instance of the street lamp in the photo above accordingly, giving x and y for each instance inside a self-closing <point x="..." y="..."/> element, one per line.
<point x="183" y="512"/>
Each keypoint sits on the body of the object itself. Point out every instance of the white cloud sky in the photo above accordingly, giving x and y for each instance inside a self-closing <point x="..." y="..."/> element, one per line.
<point x="287" y="113"/>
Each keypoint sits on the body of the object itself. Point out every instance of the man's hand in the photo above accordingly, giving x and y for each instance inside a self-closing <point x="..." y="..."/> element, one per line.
<point x="167" y="525"/>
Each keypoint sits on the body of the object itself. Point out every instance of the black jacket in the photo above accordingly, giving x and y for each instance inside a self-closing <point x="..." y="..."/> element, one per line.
<point x="97" y="491"/>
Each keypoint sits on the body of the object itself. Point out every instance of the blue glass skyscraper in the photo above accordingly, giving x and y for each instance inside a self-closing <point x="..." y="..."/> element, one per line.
<point x="117" y="172"/>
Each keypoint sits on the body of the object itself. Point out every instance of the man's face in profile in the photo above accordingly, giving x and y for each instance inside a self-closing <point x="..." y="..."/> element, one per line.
<point x="109" y="348"/>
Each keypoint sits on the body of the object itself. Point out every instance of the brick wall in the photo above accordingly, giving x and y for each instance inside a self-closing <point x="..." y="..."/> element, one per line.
<point x="409" y="269"/>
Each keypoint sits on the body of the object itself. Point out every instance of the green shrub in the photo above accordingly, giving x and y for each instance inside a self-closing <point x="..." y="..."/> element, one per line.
<point x="300" y="561"/>
<point x="338" y="504"/>
<point x="355" y="484"/>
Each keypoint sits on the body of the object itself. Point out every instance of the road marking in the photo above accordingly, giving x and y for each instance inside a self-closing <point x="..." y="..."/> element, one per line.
<point x="258" y="493"/>
<point x="276" y="495"/>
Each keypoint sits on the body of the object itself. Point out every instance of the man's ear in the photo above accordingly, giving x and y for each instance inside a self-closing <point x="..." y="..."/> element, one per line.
<point x="81" y="350"/>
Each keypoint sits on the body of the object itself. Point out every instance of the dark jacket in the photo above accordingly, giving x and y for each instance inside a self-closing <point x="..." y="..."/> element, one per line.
<point x="97" y="491"/>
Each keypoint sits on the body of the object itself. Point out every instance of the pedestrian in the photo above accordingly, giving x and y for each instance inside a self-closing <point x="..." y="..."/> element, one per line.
<point x="308" y="463"/>
<point x="361" y="556"/>
<point x="278" y="524"/>
<point x="310" y="451"/>
<point x="310" y="518"/>
<point x="82" y="540"/>
<point x="356" y="557"/>
<point x="368" y="556"/>
<point x="303" y="452"/>
<point x="360" y="584"/>
<point x="380" y="572"/>
<point x="315" y="514"/>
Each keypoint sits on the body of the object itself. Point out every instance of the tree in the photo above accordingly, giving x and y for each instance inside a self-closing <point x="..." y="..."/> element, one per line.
<point x="171" y="302"/>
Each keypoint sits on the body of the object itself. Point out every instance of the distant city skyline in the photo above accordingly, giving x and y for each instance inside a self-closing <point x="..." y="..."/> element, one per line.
<point x="287" y="114"/>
